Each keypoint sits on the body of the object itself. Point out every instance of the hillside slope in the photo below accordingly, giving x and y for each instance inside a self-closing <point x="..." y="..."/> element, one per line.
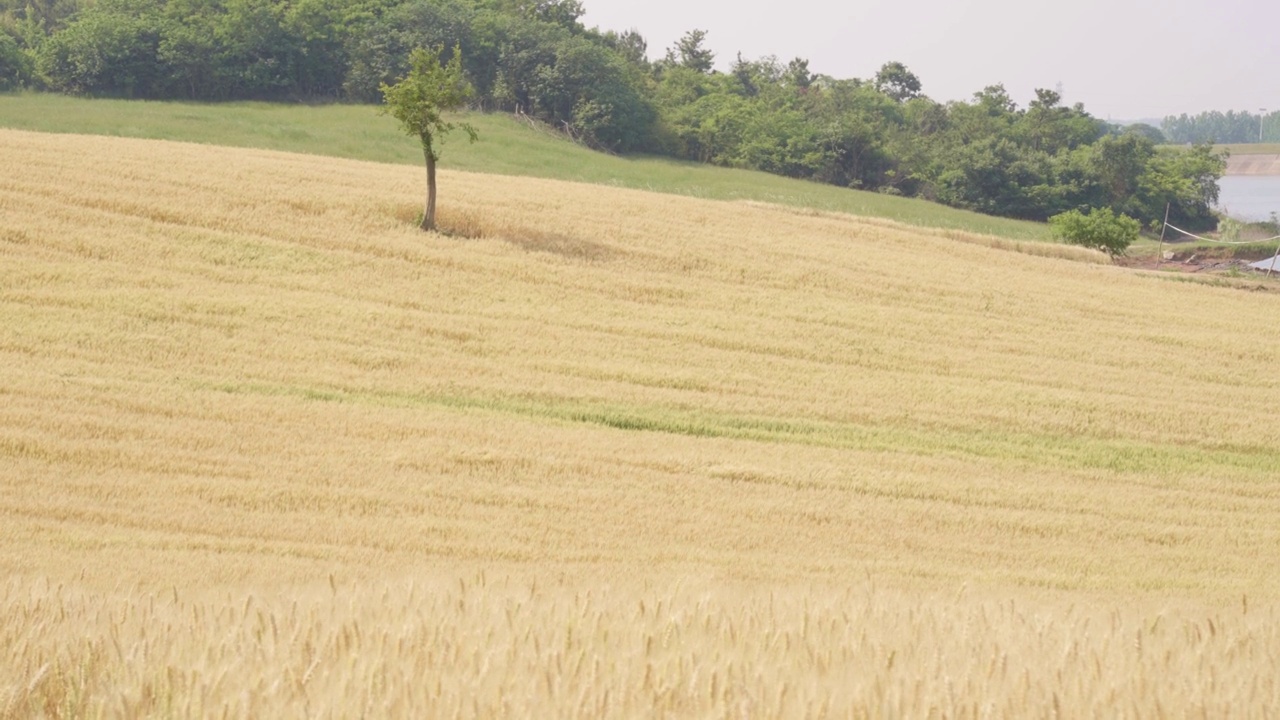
<point x="1253" y="164"/>
<point x="234" y="380"/>
<point x="507" y="147"/>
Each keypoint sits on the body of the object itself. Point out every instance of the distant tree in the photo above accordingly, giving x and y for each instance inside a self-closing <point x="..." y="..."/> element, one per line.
<point x="1117" y="164"/>
<point x="853" y="121"/>
<point x="15" y="65"/>
<point x="1047" y="99"/>
<point x="1050" y="127"/>
<point x="591" y="91"/>
<point x="797" y="74"/>
<point x="631" y="45"/>
<point x="257" y="47"/>
<point x="995" y="101"/>
<point x="106" y="50"/>
<point x="756" y="75"/>
<point x="1214" y="126"/>
<point x="379" y="53"/>
<point x="688" y="52"/>
<point x="418" y="102"/>
<point x="193" y="59"/>
<point x="1150" y="132"/>
<point x="1186" y="181"/>
<point x="1100" y="229"/>
<point x="525" y="51"/>
<point x="896" y="81"/>
<point x="712" y="128"/>
<point x="48" y="14"/>
<point x="564" y="13"/>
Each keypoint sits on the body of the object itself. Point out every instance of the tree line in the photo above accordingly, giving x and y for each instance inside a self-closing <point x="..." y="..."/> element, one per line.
<point x="537" y="58"/>
<point x="1222" y="127"/>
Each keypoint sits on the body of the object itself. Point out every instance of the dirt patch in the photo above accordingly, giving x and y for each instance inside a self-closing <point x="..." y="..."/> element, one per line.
<point x="1189" y="264"/>
<point x="1225" y="271"/>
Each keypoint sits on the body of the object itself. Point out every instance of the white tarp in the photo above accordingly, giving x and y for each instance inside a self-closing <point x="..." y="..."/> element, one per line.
<point x="1266" y="264"/>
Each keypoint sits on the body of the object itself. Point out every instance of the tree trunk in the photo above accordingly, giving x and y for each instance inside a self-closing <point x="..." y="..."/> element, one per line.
<point x="429" y="212"/>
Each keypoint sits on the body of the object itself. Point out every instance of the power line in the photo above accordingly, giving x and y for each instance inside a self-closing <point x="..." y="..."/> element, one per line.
<point x="1222" y="242"/>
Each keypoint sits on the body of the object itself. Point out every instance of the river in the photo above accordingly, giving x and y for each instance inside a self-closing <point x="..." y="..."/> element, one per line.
<point x="1249" y="197"/>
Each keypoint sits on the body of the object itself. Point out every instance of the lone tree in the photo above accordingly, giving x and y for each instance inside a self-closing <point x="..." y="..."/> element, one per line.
<point x="689" y="52"/>
<point x="417" y="102"/>
<point x="896" y="81"/>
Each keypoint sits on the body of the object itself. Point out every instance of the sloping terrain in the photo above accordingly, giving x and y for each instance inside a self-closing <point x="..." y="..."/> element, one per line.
<point x="267" y="449"/>
<point x="1253" y="165"/>
<point x="507" y="146"/>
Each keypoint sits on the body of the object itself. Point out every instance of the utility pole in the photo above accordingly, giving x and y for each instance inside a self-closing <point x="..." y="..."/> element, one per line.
<point x="1262" y="116"/>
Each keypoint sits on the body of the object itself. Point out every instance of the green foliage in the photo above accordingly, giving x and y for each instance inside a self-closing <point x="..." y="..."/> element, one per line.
<point x="782" y="143"/>
<point x="535" y="58"/>
<point x="420" y="100"/>
<point x="1186" y="180"/>
<point x="1150" y="132"/>
<point x="1100" y="229"/>
<point x="380" y="52"/>
<point x="896" y="81"/>
<point x="1049" y="127"/>
<point x="856" y="126"/>
<point x="712" y="126"/>
<point x="630" y="46"/>
<point x="47" y="15"/>
<point x="797" y="74"/>
<point x="16" y="66"/>
<point x="1222" y="128"/>
<point x="563" y="13"/>
<point x="523" y="62"/>
<point x="689" y="52"/>
<point x="510" y="148"/>
<point x="992" y="175"/>
<point x="593" y="93"/>
<point x="1117" y="163"/>
<point x="107" y="50"/>
<point x="201" y="49"/>
<point x="1229" y="229"/>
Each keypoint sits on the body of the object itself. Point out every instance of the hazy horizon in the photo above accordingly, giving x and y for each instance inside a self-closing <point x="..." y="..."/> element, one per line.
<point x="1120" y="59"/>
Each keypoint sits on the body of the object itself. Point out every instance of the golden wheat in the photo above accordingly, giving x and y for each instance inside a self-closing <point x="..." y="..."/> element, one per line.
<point x="477" y="647"/>
<point x="228" y="373"/>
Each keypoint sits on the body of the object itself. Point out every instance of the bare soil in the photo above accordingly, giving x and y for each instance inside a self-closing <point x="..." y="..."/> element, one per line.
<point x="1231" y="266"/>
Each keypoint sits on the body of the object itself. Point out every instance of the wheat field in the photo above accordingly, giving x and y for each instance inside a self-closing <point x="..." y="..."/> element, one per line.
<point x="266" y="450"/>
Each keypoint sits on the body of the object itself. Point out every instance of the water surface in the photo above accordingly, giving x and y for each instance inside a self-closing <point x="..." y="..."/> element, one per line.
<point x="1249" y="197"/>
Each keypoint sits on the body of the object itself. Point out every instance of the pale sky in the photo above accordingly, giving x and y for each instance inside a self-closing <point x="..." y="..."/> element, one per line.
<point x="1124" y="59"/>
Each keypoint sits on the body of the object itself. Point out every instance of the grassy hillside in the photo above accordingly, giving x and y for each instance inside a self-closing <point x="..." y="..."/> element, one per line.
<point x="507" y="147"/>
<point x="267" y="450"/>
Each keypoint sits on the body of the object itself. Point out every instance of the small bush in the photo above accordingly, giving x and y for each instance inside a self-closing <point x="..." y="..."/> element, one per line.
<point x="1100" y="229"/>
<point x="1229" y="229"/>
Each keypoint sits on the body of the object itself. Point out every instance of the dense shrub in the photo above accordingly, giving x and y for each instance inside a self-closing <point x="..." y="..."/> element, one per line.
<point x="106" y="52"/>
<point x="15" y="65"/>
<point x="1100" y="229"/>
